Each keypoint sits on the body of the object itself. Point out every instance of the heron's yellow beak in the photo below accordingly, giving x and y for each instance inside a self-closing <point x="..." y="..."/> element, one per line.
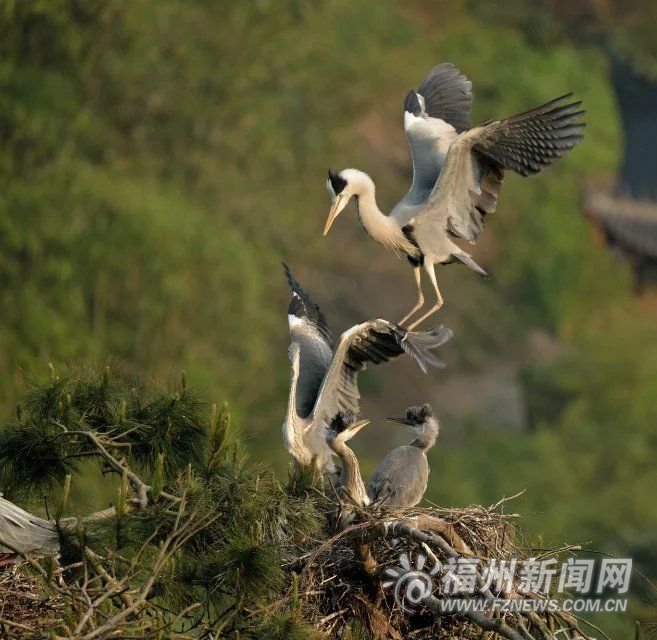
<point x="338" y="205"/>
<point x="355" y="428"/>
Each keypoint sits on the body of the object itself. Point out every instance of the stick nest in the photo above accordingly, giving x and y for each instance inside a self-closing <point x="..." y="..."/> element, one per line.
<point x="341" y="581"/>
<point x="24" y="607"/>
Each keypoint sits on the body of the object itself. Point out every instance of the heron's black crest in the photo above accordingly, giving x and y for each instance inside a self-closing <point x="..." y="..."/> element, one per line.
<point x="342" y="420"/>
<point x="419" y="413"/>
<point x="412" y="103"/>
<point x="338" y="183"/>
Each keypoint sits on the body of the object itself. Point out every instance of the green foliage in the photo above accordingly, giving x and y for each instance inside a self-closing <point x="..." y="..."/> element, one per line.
<point x="627" y="27"/>
<point x="248" y="522"/>
<point x="155" y="165"/>
<point x="303" y="480"/>
<point x="47" y="441"/>
<point x="171" y="424"/>
<point x="244" y="564"/>
<point x="157" y="159"/>
<point x="287" y="626"/>
<point x="32" y="457"/>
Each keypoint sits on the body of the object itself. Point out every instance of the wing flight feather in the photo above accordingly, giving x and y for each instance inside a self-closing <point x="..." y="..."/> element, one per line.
<point x="375" y="342"/>
<point x="433" y="117"/>
<point x="469" y="184"/>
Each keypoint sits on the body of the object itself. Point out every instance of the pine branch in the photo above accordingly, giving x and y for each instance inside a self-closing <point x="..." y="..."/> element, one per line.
<point x="138" y="485"/>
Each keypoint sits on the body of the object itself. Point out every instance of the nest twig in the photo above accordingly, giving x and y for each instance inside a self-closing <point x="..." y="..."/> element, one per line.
<point x="343" y="592"/>
<point x="24" y="607"/>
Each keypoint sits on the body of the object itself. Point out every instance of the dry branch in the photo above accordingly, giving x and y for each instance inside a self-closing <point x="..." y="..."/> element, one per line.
<point x="337" y="596"/>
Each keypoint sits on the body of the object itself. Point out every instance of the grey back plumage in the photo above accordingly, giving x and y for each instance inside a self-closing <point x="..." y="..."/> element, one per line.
<point x="26" y="533"/>
<point x="400" y="479"/>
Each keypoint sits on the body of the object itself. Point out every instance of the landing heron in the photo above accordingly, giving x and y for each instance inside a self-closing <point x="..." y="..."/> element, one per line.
<point x="400" y="479"/>
<point x="457" y="173"/>
<point x="324" y="381"/>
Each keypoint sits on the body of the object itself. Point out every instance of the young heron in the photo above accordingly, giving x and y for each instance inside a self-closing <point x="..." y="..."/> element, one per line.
<point x="350" y="488"/>
<point x="324" y="380"/>
<point x="457" y="173"/>
<point x="400" y="479"/>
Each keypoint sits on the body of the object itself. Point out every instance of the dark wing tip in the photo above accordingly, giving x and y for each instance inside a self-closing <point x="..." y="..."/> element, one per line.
<point x="529" y="141"/>
<point x="291" y="280"/>
<point x="302" y="306"/>
<point x="447" y="95"/>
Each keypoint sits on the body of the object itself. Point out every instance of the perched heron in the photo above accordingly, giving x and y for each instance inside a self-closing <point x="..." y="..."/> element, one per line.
<point x="400" y="479"/>
<point x="350" y="487"/>
<point x="457" y="173"/>
<point x="27" y="534"/>
<point x="324" y="381"/>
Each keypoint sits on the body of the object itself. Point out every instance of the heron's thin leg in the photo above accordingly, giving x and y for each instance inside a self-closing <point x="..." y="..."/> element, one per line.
<point x="432" y="276"/>
<point x="420" y="295"/>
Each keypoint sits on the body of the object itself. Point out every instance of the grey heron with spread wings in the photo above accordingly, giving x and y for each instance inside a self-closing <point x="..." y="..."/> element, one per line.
<point x="324" y="380"/>
<point x="457" y="173"/>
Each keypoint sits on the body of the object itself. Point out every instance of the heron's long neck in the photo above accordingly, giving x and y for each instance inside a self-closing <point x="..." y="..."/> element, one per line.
<point x="350" y="479"/>
<point x="429" y="435"/>
<point x="293" y="427"/>
<point x="378" y="225"/>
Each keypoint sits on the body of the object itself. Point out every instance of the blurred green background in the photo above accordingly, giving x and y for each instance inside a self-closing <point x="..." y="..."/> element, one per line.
<point x="159" y="159"/>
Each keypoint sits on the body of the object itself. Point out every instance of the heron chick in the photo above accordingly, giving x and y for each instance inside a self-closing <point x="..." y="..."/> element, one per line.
<point x="401" y="478"/>
<point x="457" y="174"/>
<point x="350" y="488"/>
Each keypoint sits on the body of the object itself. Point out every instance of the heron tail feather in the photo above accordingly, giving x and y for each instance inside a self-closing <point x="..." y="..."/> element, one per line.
<point x="466" y="258"/>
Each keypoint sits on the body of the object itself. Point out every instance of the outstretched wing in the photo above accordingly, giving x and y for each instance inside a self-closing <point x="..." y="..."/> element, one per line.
<point x="433" y="116"/>
<point x="309" y="329"/>
<point x="375" y="341"/>
<point x="447" y="95"/>
<point x="25" y="532"/>
<point x="470" y="182"/>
